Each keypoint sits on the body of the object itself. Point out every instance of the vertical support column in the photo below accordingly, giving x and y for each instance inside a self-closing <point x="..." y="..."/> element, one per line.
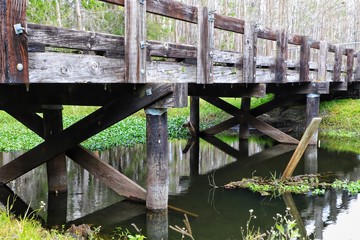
<point x="56" y="167"/>
<point x="337" y="63"/>
<point x="357" y="71"/>
<point x="157" y="159"/>
<point x="205" y="66"/>
<point x="322" y="70"/>
<point x="195" y="112"/>
<point x="195" y="120"/>
<point x="281" y="57"/>
<point x="304" y="59"/>
<point x="135" y="41"/>
<point x="13" y="41"/>
<point x="349" y="65"/>
<point x="249" y="61"/>
<point x="311" y="160"/>
<point x="312" y="111"/>
<point x="244" y="127"/>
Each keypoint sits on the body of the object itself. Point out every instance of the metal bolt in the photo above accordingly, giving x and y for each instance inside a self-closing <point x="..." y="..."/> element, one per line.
<point x="148" y="92"/>
<point x="142" y="44"/>
<point x="142" y="71"/>
<point x="19" y="67"/>
<point x="18" y="29"/>
<point x="142" y="2"/>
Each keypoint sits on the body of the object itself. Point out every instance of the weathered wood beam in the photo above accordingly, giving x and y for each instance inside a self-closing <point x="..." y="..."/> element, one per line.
<point x="56" y="167"/>
<point x="205" y="47"/>
<point x="101" y="119"/>
<point x="101" y="170"/>
<point x="135" y="41"/>
<point x="299" y="88"/>
<point x="357" y="71"/>
<point x="195" y="113"/>
<point x="244" y="126"/>
<point x="304" y="60"/>
<point x="349" y="65"/>
<point x="13" y="42"/>
<point x="249" y="61"/>
<point x="252" y="121"/>
<point x="322" y="70"/>
<point x="228" y="90"/>
<point x="281" y="57"/>
<point x="337" y="64"/>
<point x="218" y="128"/>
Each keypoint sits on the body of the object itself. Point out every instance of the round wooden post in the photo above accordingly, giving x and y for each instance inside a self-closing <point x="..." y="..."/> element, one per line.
<point x="311" y="160"/>
<point x="56" y="167"/>
<point x="312" y="111"/>
<point x="157" y="159"/>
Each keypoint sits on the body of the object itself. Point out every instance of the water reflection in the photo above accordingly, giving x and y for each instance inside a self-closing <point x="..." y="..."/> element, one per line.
<point x="194" y="176"/>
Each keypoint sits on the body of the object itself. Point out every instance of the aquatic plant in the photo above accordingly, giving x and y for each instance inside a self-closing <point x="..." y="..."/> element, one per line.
<point x="184" y="231"/>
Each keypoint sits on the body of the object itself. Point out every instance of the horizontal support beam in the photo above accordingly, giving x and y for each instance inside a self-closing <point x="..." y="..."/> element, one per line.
<point x="228" y="90"/>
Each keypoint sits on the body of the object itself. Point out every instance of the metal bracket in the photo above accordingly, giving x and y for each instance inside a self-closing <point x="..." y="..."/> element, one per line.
<point x="212" y="16"/>
<point x="143" y="44"/>
<point x="18" y="29"/>
<point x="142" y="2"/>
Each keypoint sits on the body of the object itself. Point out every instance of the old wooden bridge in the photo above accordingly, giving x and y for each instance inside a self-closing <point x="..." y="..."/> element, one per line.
<point x="119" y="75"/>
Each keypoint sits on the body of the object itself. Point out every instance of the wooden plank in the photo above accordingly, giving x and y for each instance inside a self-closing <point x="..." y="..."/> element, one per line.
<point x="349" y="65"/>
<point x="218" y="128"/>
<point x="249" y="62"/>
<point x="304" y="59"/>
<point x="322" y="70"/>
<point x="337" y="63"/>
<point x="101" y="119"/>
<point x="135" y="41"/>
<point x="228" y="90"/>
<point x="252" y="121"/>
<point x="13" y="50"/>
<point x="106" y="174"/>
<point x="357" y="71"/>
<point x="281" y="57"/>
<point x="101" y="170"/>
<point x="205" y="46"/>
<point x="299" y="151"/>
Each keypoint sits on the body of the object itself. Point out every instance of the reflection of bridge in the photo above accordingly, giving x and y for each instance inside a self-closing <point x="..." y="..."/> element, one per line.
<point x="120" y="75"/>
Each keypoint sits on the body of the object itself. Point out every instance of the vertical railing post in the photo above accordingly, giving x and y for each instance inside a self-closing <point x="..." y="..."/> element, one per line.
<point x="349" y="65"/>
<point x="322" y="69"/>
<point x="304" y="59"/>
<point x="135" y="41"/>
<point x="205" y="67"/>
<point x="337" y="63"/>
<point x="357" y="71"/>
<point x="281" y="57"/>
<point x="13" y="40"/>
<point x="249" y="60"/>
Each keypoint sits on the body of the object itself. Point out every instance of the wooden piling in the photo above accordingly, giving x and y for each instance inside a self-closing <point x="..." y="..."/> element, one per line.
<point x="244" y="126"/>
<point x="299" y="151"/>
<point x="195" y="113"/>
<point x="56" y="167"/>
<point x="312" y="111"/>
<point x="157" y="159"/>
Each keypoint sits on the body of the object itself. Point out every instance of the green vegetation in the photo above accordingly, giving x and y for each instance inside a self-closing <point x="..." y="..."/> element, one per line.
<point x="303" y="184"/>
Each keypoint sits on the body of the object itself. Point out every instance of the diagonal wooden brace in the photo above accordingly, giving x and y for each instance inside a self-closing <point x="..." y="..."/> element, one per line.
<point x="101" y="170"/>
<point x="252" y="121"/>
<point x="101" y="119"/>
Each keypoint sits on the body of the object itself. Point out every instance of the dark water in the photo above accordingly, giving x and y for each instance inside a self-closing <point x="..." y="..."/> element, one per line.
<point x="221" y="213"/>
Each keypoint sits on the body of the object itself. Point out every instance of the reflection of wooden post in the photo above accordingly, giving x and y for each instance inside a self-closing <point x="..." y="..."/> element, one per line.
<point x="56" y="209"/>
<point x="318" y="217"/>
<point x="311" y="160"/>
<point x="312" y="111"/>
<point x="56" y="167"/>
<point x="290" y="203"/>
<point x="157" y="159"/>
<point x="299" y="151"/>
<point x="194" y="158"/>
<point x="157" y="225"/>
<point x="244" y="126"/>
